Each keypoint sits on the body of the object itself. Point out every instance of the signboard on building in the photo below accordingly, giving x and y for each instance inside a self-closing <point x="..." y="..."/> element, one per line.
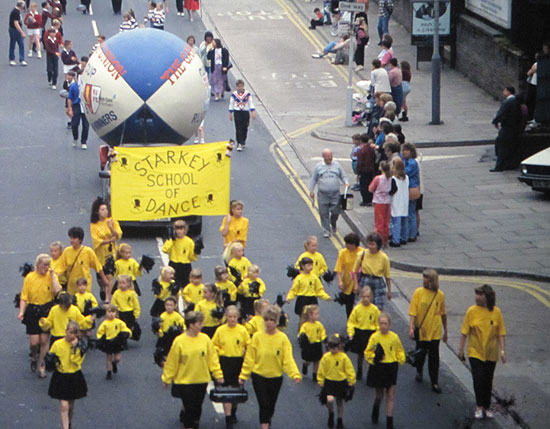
<point x="423" y="22"/>
<point x="497" y="11"/>
<point x="346" y="6"/>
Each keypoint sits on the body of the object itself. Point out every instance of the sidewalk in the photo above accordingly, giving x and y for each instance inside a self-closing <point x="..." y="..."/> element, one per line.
<point x="474" y="221"/>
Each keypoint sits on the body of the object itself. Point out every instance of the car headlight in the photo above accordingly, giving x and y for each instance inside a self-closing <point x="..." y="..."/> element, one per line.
<point x="524" y="169"/>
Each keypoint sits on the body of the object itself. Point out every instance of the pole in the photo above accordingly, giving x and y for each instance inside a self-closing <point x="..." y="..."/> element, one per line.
<point x="436" y="70"/>
<point x="349" y="89"/>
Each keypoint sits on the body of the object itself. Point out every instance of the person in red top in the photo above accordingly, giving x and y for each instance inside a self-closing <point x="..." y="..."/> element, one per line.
<point x="51" y="44"/>
<point x="33" y="21"/>
<point x="366" y="168"/>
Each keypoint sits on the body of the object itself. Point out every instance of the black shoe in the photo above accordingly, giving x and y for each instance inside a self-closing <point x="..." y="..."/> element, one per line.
<point x="304" y="369"/>
<point x="418" y="377"/>
<point x="392" y="244"/>
<point x="363" y="204"/>
<point x="102" y="295"/>
<point x="411" y="240"/>
<point x="359" y="373"/>
<point x="109" y="376"/>
<point x="115" y="368"/>
<point x="389" y="422"/>
<point x="375" y="412"/>
<point x="496" y="170"/>
<point x="182" y="416"/>
<point x="314" y="376"/>
<point x="403" y="242"/>
<point x="339" y="424"/>
<point x="404" y="118"/>
<point x="436" y="388"/>
<point x="311" y="28"/>
<point x="330" y="422"/>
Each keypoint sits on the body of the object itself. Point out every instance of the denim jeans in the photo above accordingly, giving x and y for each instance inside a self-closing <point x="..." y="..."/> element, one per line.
<point x="15" y="37"/>
<point x="329" y="49"/>
<point x="327" y="15"/>
<point x="383" y="26"/>
<point x="412" y="229"/>
<point x="399" y="228"/>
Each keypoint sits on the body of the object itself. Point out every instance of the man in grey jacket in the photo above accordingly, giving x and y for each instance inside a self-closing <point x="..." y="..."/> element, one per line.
<point x="327" y="176"/>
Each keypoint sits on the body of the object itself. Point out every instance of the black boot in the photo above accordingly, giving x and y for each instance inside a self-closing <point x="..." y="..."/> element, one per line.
<point x="339" y="423"/>
<point x="375" y="411"/>
<point x="389" y="422"/>
<point x="228" y="422"/>
<point x="404" y="117"/>
<point x="314" y="376"/>
<point x="330" y="422"/>
<point x="234" y="413"/>
<point x="304" y="369"/>
<point x="359" y="373"/>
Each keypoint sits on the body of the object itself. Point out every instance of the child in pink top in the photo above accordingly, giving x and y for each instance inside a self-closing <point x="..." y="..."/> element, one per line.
<point x="380" y="187"/>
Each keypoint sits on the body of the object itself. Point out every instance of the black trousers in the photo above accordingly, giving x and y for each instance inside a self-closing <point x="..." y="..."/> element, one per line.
<point x="267" y="392"/>
<point x="349" y="300"/>
<point x="364" y="182"/>
<point x="52" y="68"/>
<point x="482" y="375"/>
<point x="192" y="397"/>
<point x="182" y="272"/>
<point x="78" y="116"/>
<point x="117" y="6"/>
<point x="359" y="56"/>
<point x="316" y="23"/>
<point x="242" y="119"/>
<point x="179" y="5"/>
<point x="431" y="348"/>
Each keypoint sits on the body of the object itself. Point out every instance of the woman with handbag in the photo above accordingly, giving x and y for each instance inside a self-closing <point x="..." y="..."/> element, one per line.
<point x="427" y="315"/>
<point x="408" y="154"/>
<point x="219" y="65"/>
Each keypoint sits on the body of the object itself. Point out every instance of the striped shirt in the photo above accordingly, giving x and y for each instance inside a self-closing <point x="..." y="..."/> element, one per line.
<point x="242" y="102"/>
<point x="158" y="18"/>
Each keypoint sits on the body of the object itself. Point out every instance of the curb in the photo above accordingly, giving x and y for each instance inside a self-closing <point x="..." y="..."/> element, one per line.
<point x="457" y="143"/>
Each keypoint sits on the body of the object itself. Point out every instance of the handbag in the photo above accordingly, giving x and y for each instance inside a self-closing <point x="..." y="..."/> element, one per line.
<point x="414" y="193"/>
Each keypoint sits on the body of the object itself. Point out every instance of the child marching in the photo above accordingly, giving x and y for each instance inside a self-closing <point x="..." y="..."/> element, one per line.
<point x="211" y="309"/>
<point x="112" y="335"/>
<point x="125" y="264"/>
<point x="250" y="290"/>
<point x="181" y="251"/>
<point x="311" y="336"/>
<point x="241" y="107"/>
<point x="306" y="287"/>
<point x="127" y="303"/>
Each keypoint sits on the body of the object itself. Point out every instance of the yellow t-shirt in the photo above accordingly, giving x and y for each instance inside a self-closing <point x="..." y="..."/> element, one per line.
<point x="127" y="300"/>
<point x="255" y="324"/>
<point x="165" y="291"/>
<point x="192" y="293"/>
<point x="377" y="264"/>
<point x="307" y="285"/>
<point x="78" y="262"/>
<point x="70" y="358"/>
<point x="244" y="288"/>
<point x="61" y="277"/>
<point x="315" y="331"/>
<point x="344" y="265"/>
<point x="319" y="263"/>
<point x="58" y="319"/>
<point x="100" y="231"/>
<point x="37" y="289"/>
<point x="129" y="267"/>
<point x="168" y="320"/>
<point x="81" y="299"/>
<point x="180" y="250"/>
<point x="241" y="265"/>
<point x="237" y="231"/>
<point x="269" y="356"/>
<point x="231" y="342"/>
<point x="393" y="349"/>
<point x="228" y="286"/>
<point x="191" y="360"/>
<point x="431" y="321"/>
<point x="335" y="367"/>
<point x="483" y="327"/>
<point x="364" y="317"/>
<point x="111" y="328"/>
<point x="206" y="307"/>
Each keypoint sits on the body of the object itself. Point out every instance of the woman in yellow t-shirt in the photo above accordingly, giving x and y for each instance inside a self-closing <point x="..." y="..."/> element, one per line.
<point x="427" y="314"/>
<point x="234" y="226"/>
<point x="344" y="269"/>
<point x="484" y="328"/>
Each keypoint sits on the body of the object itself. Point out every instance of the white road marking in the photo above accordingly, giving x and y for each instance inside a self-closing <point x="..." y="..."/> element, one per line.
<point x="163" y="256"/>
<point x="217" y="406"/>
<point x="94" y="27"/>
<point x="91" y="10"/>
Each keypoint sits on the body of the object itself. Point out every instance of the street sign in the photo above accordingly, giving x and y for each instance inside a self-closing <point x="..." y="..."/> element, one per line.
<point x="346" y="6"/>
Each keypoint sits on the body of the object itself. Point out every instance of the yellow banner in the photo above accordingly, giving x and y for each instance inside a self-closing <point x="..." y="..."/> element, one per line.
<point x="159" y="182"/>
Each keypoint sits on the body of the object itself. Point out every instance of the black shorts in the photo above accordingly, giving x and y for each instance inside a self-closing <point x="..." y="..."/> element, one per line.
<point x="67" y="386"/>
<point x="360" y="340"/>
<point x="335" y="388"/>
<point x="419" y="202"/>
<point x="210" y="330"/>
<point x="231" y="368"/>
<point x="33" y="314"/>
<point x="312" y="352"/>
<point x="382" y="375"/>
<point x="157" y="308"/>
<point x="182" y="272"/>
<point x="127" y="317"/>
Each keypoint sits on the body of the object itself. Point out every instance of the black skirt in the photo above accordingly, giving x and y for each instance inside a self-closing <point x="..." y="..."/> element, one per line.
<point x="231" y="368"/>
<point x="302" y="301"/>
<point x="112" y="346"/>
<point x="33" y="314"/>
<point x="360" y="340"/>
<point x="312" y="352"/>
<point x="335" y="388"/>
<point x="127" y="317"/>
<point x="210" y="330"/>
<point x="382" y="375"/>
<point x="247" y="305"/>
<point x="68" y="386"/>
<point x="157" y="308"/>
<point x="182" y="272"/>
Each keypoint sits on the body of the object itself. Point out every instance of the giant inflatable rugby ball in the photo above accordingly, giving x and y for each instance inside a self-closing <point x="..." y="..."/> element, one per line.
<point x="144" y="86"/>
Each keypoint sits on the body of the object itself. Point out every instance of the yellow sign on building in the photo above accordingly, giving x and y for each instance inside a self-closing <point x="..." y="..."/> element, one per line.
<point x="157" y="182"/>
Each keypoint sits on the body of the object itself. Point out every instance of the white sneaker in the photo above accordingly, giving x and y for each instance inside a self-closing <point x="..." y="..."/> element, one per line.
<point x="30" y="54"/>
<point x="83" y="146"/>
<point x="316" y="55"/>
<point x="202" y="141"/>
<point x="326" y="234"/>
<point x="196" y="140"/>
<point x="54" y="87"/>
<point x="478" y="414"/>
<point x="75" y="142"/>
<point x="359" y="68"/>
<point x="489" y="414"/>
<point x="39" y="54"/>
<point x="239" y="147"/>
<point x="13" y="63"/>
<point x="23" y="63"/>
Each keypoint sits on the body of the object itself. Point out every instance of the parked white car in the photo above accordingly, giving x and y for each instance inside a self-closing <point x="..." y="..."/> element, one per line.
<point x="535" y="171"/>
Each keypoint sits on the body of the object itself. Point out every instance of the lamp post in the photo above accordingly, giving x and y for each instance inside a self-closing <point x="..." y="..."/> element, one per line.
<point x="436" y="70"/>
<point x="349" y="89"/>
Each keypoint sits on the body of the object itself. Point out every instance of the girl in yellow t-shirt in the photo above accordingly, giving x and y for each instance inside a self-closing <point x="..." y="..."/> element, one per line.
<point x="234" y="228"/>
<point x="125" y="264"/>
<point x="319" y="264"/>
<point x="311" y="336"/>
